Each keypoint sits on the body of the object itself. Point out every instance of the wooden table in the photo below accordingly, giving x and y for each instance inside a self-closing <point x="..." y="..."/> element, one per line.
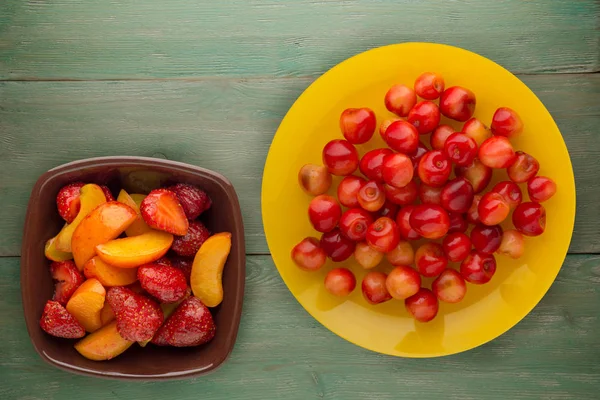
<point x="207" y="83"/>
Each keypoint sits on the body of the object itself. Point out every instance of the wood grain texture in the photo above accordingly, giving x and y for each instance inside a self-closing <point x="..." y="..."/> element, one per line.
<point x="282" y="352"/>
<point x="132" y="39"/>
<point x="225" y="125"/>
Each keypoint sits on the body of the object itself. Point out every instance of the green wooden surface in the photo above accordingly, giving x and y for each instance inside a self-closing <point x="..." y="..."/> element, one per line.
<point x="196" y="80"/>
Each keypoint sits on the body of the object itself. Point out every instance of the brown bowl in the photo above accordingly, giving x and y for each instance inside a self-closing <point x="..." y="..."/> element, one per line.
<point x="136" y="175"/>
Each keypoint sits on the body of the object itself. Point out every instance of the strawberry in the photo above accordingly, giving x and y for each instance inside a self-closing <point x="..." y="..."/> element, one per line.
<point x="57" y="321"/>
<point x="161" y="210"/>
<point x="68" y="279"/>
<point x="163" y="261"/>
<point x="165" y="283"/>
<point x="193" y="200"/>
<point x="107" y="193"/>
<point x="184" y="264"/>
<point x="138" y="317"/>
<point x="190" y="325"/>
<point x="189" y="244"/>
<point x="67" y="201"/>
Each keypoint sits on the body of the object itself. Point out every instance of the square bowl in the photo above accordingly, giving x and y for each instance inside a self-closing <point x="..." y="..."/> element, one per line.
<point x="136" y="175"/>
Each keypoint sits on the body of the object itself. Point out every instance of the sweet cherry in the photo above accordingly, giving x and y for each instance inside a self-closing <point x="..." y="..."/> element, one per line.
<point x="308" y="254"/>
<point x="530" y="218"/>
<point x="374" y="288"/>
<point x="457" y="223"/>
<point x="354" y="223"/>
<point x="403" y="222"/>
<point x="430" y="194"/>
<point x="457" y="246"/>
<point x="493" y="209"/>
<point x="389" y="209"/>
<point x="402" y="254"/>
<point x="403" y="282"/>
<point x="366" y="256"/>
<point x="478" y="174"/>
<point x="457" y="195"/>
<point x="478" y="268"/>
<point x="497" y="152"/>
<point x="347" y="190"/>
<point x="425" y="116"/>
<point x="401" y="196"/>
<point x="402" y="137"/>
<point x="358" y="124"/>
<point x="510" y="191"/>
<point x="486" y="239"/>
<point x="449" y="287"/>
<point x="385" y="124"/>
<point x="324" y="213"/>
<point x="434" y="168"/>
<point x="340" y="282"/>
<point x="383" y="235"/>
<point x="397" y="170"/>
<point x="506" y="122"/>
<point x="340" y="157"/>
<point x="314" y="179"/>
<point x="430" y="221"/>
<point x="458" y="103"/>
<point x="371" y="164"/>
<point x="476" y="130"/>
<point x="337" y="246"/>
<point x="473" y="213"/>
<point x="417" y="155"/>
<point x="430" y="259"/>
<point x="460" y="149"/>
<point x="399" y="99"/>
<point x="540" y="188"/>
<point x="371" y="196"/>
<point x="524" y="168"/>
<point x="423" y="305"/>
<point x="429" y="85"/>
<point x="513" y="244"/>
<point x="439" y="136"/>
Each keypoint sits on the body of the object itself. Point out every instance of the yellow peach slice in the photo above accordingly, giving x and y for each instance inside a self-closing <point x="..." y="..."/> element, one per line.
<point x="207" y="269"/>
<point x="91" y="196"/>
<point x="104" y="223"/>
<point x="52" y="253"/>
<point x="138" y="198"/>
<point x="103" y="344"/>
<point x="107" y="274"/>
<point x="136" y="250"/>
<point x="138" y="226"/>
<point x="86" y="304"/>
<point x="107" y="314"/>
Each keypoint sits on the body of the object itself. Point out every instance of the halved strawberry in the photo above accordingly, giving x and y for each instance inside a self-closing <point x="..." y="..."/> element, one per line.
<point x="184" y="264"/>
<point x="138" y="317"/>
<point x="68" y="279"/>
<point x="193" y="200"/>
<point x="67" y="201"/>
<point x="161" y="210"/>
<point x="57" y="321"/>
<point x="163" y="261"/>
<point x="189" y="244"/>
<point x="190" y="325"/>
<point x="109" y="196"/>
<point x="166" y="284"/>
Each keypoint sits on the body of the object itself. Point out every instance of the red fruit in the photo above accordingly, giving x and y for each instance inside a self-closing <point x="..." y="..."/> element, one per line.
<point x="493" y="209"/>
<point x="402" y="254"/>
<point x="478" y="174"/>
<point x="458" y="103"/>
<point x="456" y="246"/>
<point x="358" y="124"/>
<point x="430" y="221"/>
<point x="383" y="234"/>
<point x="57" y="321"/>
<point x="510" y="191"/>
<point x="429" y="194"/>
<point x="478" y="268"/>
<point x="308" y="254"/>
<point x="425" y="116"/>
<point x="340" y="282"/>
<point x="184" y="264"/>
<point x="164" y="261"/>
<point x="138" y="317"/>
<point x="524" y="168"/>
<point x="314" y="179"/>
<point x="373" y="288"/>
<point x="354" y="223"/>
<point x="324" y="213"/>
<point x="430" y="259"/>
<point x="417" y="155"/>
<point x="486" y="239"/>
<point x="384" y="125"/>
<point x="460" y="149"/>
<point x="403" y="222"/>
<point x="457" y="223"/>
<point x="340" y="157"/>
<point x="457" y="195"/>
<point x="473" y="213"/>
<point x="540" y="188"/>
<point x="190" y="325"/>
<point x="109" y="196"/>
<point x="506" y="122"/>
<point x="193" y="200"/>
<point x="67" y="277"/>
<point x="347" y="190"/>
<point x="161" y="210"/>
<point x="68" y="202"/>
<point x="513" y="244"/>
<point x="401" y="196"/>
<point x="476" y="130"/>
<point x="397" y="170"/>
<point x="337" y="246"/>
<point x="166" y="284"/>
<point x="530" y="218"/>
<point x="366" y="256"/>
<point x="371" y="164"/>
<point x="389" y="210"/>
<point x="189" y="244"/>
<point x="403" y="282"/>
<point x="434" y="168"/>
<point x="402" y="137"/>
<point x="440" y="135"/>
<point x="449" y="287"/>
<point x="371" y="196"/>
<point x="429" y="85"/>
<point x="400" y="99"/>
<point x="497" y="152"/>
<point x="423" y="305"/>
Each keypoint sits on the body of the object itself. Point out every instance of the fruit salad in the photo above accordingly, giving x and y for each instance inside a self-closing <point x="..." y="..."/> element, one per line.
<point x="436" y="191"/>
<point x="141" y="268"/>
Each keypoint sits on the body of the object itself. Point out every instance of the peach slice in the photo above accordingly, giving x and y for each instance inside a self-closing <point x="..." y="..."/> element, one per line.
<point x="52" y="253"/>
<point x="103" y="344"/>
<point x="104" y="223"/>
<point x="91" y="196"/>
<point x="207" y="269"/>
<point x="138" y="198"/>
<point x="107" y="314"/>
<point x="107" y="274"/>
<point x="136" y="250"/>
<point x="138" y="226"/>
<point x="86" y="304"/>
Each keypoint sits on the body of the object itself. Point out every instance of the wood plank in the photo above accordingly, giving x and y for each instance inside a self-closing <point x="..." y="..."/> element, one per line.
<point x="72" y="39"/>
<point x="282" y="352"/>
<point x="224" y="125"/>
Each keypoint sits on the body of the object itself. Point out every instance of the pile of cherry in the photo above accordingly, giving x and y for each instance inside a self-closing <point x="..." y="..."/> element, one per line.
<point x="407" y="194"/>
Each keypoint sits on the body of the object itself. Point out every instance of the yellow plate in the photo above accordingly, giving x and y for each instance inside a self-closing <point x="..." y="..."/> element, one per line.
<point x="487" y="310"/>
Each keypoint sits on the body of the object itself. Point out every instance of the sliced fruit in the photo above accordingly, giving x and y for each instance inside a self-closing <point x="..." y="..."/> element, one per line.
<point x="68" y="279"/>
<point x="52" y="253"/>
<point x="107" y="274"/>
<point x="103" y="344"/>
<point x="138" y="198"/>
<point x="166" y="284"/>
<point x="190" y="325"/>
<point x="68" y="202"/>
<point x="138" y="226"/>
<point x="207" y="270"/>
<point x="168" y="309"/>
<point x="57" y="321"/>
<point x="161" y="210"/>
<point x="138" y="317"/>
<point x="136" y="250"/>
<point x="184" y="264"/>
<point x="86" y="304"/>
<point x="107" y="314"/>
<point x="193" y="200"/>
<point x="189" y="244"/>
